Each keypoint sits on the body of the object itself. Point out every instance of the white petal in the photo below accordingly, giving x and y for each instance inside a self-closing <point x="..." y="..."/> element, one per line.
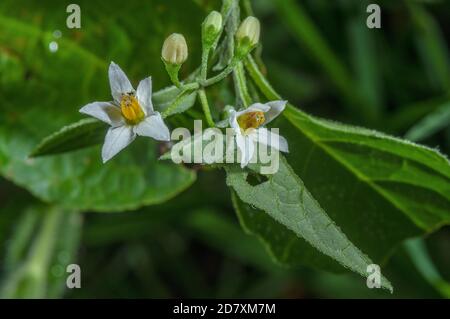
<point x="104" y="111"/>
<point x="116" y="140"/>
<point x="259" y="107"/>
<point x="271" y="109"/>
<point x="276" y="107"/>
<point x="254" y="107"/>
<point x="119" y="82"/>
<point x="234" y="123"/>
<point x="272" y="139"/>
<point x="247" y="148"/>
<point x="144" y="95"/>
<point x="153" y="126"/>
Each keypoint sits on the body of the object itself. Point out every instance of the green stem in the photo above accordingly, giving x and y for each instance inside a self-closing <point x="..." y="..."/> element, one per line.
<point x="222" y="75"/>
<point x="241" y="85"/>
<point x="204" y="66"/>
<point x="172" y="70"/>
<point x="248" y="8"/>
<point x="190" y="86"/>
<point x="205" y="106"/>
<point x="260" y="80"/>
<point x="175" y="80"/>
<point x="41" y="253"/>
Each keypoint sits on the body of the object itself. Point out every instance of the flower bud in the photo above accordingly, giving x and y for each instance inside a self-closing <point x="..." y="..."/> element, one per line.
<point x="249" y="29"/>
<point x="175" y="50"/>
<point x="211" y="28"/>
<point x="213" y="22"/>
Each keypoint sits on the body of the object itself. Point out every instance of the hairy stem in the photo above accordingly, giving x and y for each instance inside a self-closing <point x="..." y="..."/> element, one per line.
<point x="205" y="106"/>
<point x="222" y="75"/>
<point x="204" y="66"/>
<point x="260" y="79"/>
<point x="241" y="85"/>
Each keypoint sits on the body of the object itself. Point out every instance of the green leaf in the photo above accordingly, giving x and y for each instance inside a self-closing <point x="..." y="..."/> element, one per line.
<point x="44" y="91"/>
<point x="164" y="98"/>
<point x="285" y="198"/>
<point x="379" y="189"/>
<point x="284" y="245"/>
<point x="388" y="168"/>
<point x="79" y="180"/>
<point x="182" y="102"/>
<point x="81" y="134"/>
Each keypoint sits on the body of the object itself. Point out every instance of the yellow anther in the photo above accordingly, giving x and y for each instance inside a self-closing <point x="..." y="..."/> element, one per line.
<point x="131" y="110"/>
<point x="251" y="120"/>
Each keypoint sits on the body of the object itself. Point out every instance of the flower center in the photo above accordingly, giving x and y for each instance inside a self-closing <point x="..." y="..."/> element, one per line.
<point x="251" y="120"/>
<point x="131" y="110"/>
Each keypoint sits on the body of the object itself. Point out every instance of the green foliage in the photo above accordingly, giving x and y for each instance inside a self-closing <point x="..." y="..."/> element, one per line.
<point x="380" y="182"/>
<point x="285" y="198"/>
<point x="389" y="167"/>
<point x="181" y="102"/>
<point x="353" y="162"/>
<point x="54" y="85"/>
<point x="82" y="134"/>
<point x="344" y="196"/>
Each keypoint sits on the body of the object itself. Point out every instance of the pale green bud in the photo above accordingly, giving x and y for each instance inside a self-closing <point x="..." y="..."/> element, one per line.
<point x="175" y="50"/>
<point x="250" y="29"/>
<point x="211" y="28"/>
<point x="214" y="22"/>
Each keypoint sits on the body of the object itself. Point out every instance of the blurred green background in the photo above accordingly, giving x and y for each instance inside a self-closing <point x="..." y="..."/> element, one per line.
<point x="319" y="54"/>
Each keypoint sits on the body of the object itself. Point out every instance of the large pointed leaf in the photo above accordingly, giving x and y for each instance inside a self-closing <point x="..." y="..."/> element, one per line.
<point x="81" y="134"/>
<point x="286" y="247"/>
<point x="411" y="178"/>
<point x="285" y="198"/>
<point x="377" y="188"/>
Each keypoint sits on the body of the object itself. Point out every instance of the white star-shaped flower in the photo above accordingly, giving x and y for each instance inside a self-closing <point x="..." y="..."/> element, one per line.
<point x="129" y="114"/>
<point x="248" y="129"/>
